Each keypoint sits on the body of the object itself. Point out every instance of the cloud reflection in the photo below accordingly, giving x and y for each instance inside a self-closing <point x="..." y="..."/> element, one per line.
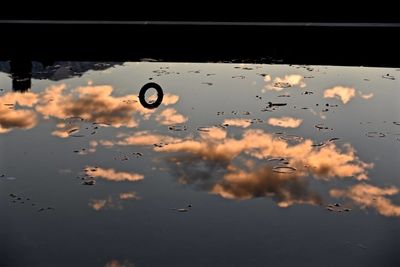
<point x="243" y="123"/>
<point x="285" y="189"/>
<point x="210" y="162"/>
<point x="366" y="96"/>
<point x="279" y="83"/>
<point x="345" y="94"/>
<point x="129" y="195"/>
<point x="170" y="116"/>
<point x="101" y="204"/>
<point x="325" y="162"/>
<point x="112" y="175"/>
<point x="12" y="117"/>
<point x="91" y="103"/>
<point x="285" y="122"/>
<point x="110" y="203"/>
<point x="369" y="196"/>
<point x="142" y="138"/>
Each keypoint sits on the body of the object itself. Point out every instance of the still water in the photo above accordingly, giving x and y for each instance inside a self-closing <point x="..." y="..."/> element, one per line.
<point x="230" y="165"/>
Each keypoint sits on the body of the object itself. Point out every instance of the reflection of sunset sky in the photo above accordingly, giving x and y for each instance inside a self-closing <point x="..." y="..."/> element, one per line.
<point x="345" y="94"/>
<point x="17" y="118"/>
<point x="231" y="158"/>
<point x="279" y="83"/>
<point x="257" y="157"/>
<point x="285" y="122"/>
<point x="218" y="154"/>
<point x="90" y="103"/>
<point x="369" y="196"/>
<point x="112" y="175"/>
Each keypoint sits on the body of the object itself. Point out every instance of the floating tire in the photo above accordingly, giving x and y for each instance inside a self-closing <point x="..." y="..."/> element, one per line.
<point x="142" y="93"/>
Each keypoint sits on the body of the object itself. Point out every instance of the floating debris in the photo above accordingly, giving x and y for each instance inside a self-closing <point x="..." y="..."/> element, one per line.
<point x="256" y="121"/>
<point x="319" y="144"/>
<point x="337" y="207"/>
<point x="188" y="208"/>
<point x="203" y="129"/>
<point x="270" y="104"/>
<point x="284" y="95"/>
<point x="207" y="83"/>
<point x="389" y="77"/>
<point x="177" y="128"/>
<point x="158" y="145"/>
<point x="73" y="130"/>
<point x="210" y="74"/>
<point x="81" y="151"/>
<point x="375" y="134"/>
<point x="290" y="137"/>
<point x="23" y="200"/>
<point x="125" y="157"/>
<point x="89" y="182"/>
<point x="220" y="113"/>
<point x="307" y="93"/>
<point x="396" y="123"/>
<point x="276" y="159"/>
<point x="321" y="127"/>
<point x="238" y="77"/>
<point x="71" y="120"/>
<point x="284" y="169"/>
<point x="77" y="135"/>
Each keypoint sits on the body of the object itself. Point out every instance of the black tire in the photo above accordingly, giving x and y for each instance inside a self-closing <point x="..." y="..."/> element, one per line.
<point x="142" y="93"/>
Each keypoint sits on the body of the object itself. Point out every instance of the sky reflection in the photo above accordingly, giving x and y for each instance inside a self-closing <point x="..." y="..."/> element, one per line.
<point x="286" y="159"/>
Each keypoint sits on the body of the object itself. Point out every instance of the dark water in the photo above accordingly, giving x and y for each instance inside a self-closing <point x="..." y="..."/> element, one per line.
<point x="240" y="165"/>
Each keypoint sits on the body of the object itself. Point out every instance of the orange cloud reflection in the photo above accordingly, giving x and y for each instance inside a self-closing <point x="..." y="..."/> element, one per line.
<point x="170" y="116"/>
<point x="112" y="175"/>
<point x="343" y="93"/>
<point x="91" y="103"/>
<point x="263" y="182"/>
<point x="244" y="123"/>
<point x="369" y="196"/>
<point x="285" y="122"/>
<point x="326" y="162"/>
<point x="10" y="117"/>
<point x="279" y="83"/>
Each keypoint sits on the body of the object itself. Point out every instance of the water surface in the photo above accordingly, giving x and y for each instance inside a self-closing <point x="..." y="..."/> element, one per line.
<point x="240" y="165"/>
